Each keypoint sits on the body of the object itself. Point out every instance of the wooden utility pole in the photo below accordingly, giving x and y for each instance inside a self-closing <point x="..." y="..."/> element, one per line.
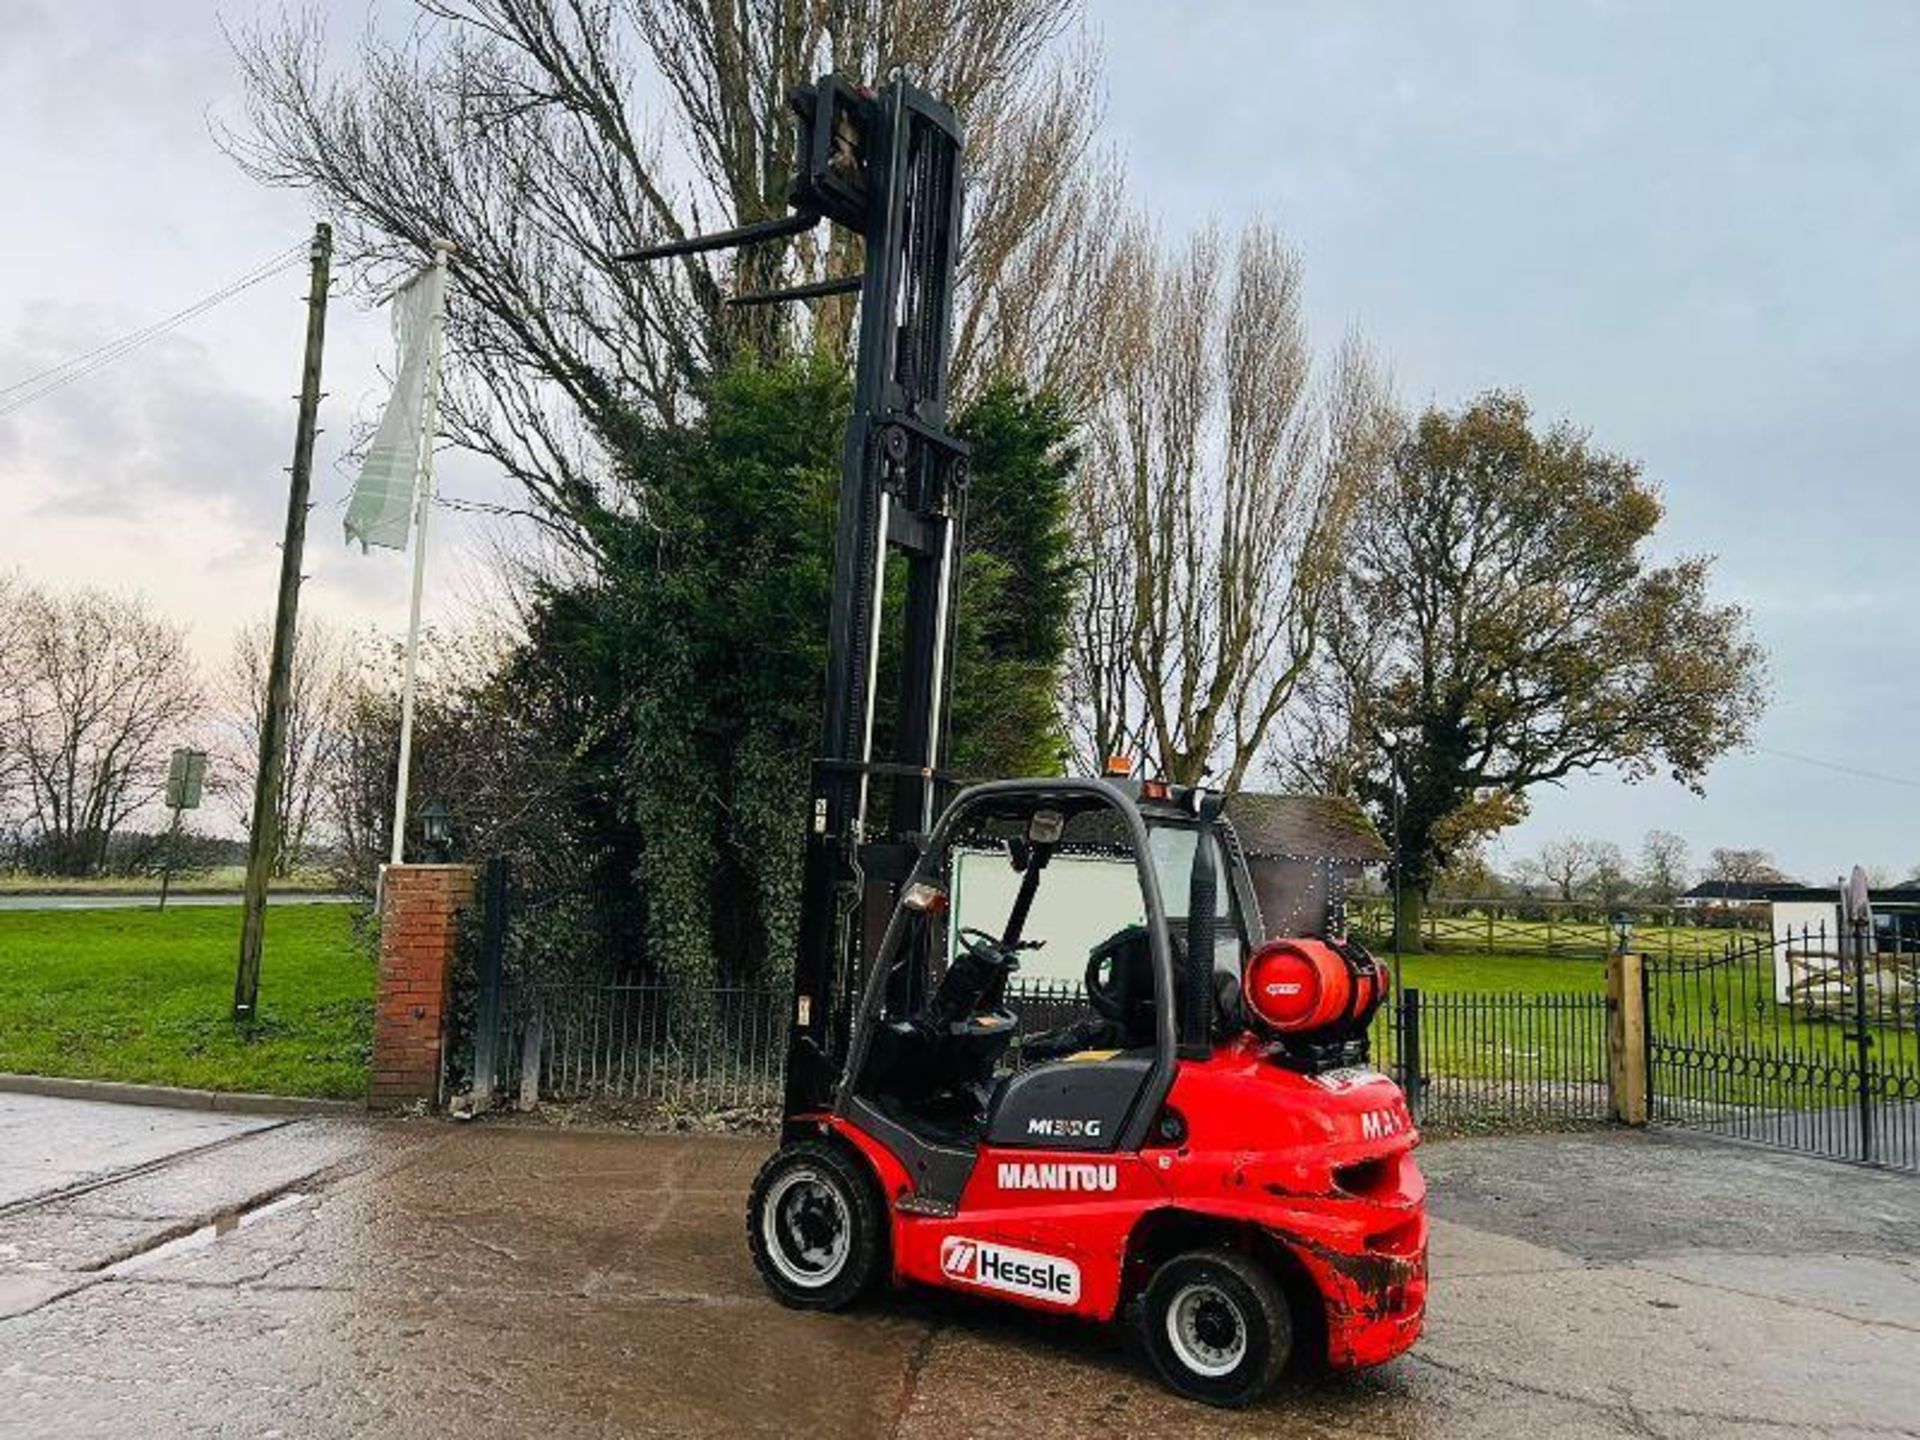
<point x="263" y="844"/>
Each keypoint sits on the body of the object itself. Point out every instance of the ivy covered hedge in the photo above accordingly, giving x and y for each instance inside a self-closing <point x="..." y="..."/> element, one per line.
<point x="681" y="678"/>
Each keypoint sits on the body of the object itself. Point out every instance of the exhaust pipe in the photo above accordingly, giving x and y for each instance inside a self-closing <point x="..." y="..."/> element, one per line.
<point x="1203" y="888"/>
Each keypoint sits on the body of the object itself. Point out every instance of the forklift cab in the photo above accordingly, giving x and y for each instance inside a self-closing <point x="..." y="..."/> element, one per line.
<point x="1109" y="884"/>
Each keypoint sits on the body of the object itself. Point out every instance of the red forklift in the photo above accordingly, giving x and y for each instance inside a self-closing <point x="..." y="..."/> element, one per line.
<point x="1199" y="1147"/>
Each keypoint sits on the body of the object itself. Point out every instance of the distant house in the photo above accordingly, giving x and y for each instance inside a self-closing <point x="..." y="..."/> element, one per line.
<point x="1808" y="926"/>
<point x="1724" y="894"/>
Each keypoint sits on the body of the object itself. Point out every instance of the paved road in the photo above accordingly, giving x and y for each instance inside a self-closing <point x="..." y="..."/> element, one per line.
<point x="133" y="902"/>
<point x="58" y="1146"/>
<point x="418" y="1279"/>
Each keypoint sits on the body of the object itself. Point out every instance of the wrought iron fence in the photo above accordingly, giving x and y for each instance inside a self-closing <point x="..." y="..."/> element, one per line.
<point x="1543" y="927"/>
<point x="1472" y="1062"/>
<point x="550" y="1008"/>
<point x="1810" y="1042"/>
<point x="1478" y="1062"/>
<point x="702" y="1051"/>
<point x="705" y="1051"/>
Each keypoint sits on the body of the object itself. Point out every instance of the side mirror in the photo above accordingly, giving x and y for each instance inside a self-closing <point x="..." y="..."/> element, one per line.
<point x="1046" y="827"/>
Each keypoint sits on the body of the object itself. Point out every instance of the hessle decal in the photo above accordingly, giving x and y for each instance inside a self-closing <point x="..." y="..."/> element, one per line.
<point x="1018" y="1272"/>
<point x="1063" y="1176"/>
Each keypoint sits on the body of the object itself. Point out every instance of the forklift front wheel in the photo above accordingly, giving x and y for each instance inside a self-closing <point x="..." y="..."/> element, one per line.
<point x="815" y="1227"/>
<point x="1216" y="1326"/>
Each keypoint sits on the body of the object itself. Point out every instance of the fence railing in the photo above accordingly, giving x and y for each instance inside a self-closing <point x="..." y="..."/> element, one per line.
<point x="1474" y="1062"/>
<point x="1539" y="927"/>
<point x="1810" y="1043"/>
<point x="703" y="1051"/>
<point x="1468" y="1062"/>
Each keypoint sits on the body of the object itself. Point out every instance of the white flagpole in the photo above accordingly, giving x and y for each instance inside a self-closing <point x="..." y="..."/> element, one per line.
<point x="423" y="507"/>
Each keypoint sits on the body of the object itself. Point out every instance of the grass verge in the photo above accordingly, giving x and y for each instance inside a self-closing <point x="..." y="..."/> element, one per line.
<point x="1447" y="973"/>
<point x="144" y="997"/>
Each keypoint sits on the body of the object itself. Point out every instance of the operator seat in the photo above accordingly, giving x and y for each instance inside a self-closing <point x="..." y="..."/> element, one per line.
<point x="947" y="1051"/>
<point x="1079" y="1083"/>
<point x="1119" y="985"/>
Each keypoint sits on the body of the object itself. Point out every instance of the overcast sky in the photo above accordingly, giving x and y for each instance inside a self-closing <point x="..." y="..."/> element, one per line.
<point x="1691" y="228"/>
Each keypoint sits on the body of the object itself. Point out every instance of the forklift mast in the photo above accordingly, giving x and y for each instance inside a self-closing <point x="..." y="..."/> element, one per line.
<point x="885" y="165"/>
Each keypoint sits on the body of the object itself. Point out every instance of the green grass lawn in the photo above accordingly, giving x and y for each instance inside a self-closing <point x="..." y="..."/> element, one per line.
<point x="1504" y="974"/>
<point x="143" y="996"/>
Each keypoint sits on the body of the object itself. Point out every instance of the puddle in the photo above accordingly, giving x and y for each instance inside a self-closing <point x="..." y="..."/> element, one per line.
<point x="200" y="1239"/>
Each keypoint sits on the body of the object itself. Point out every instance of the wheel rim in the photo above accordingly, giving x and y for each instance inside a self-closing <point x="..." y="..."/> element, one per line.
<point x="1207" y="1329"/>
<point x="807" y="1228"/>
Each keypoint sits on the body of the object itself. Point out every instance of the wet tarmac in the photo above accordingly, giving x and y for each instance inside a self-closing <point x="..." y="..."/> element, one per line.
<point x="52" y="1146"/>
<point x="343" y="1278"/>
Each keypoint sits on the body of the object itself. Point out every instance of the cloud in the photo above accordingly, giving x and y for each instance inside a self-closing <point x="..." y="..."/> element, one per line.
<point x="160" y="431"/>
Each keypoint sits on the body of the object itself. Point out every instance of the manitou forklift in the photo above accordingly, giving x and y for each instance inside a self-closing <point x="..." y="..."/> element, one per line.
<point x="1204" y="1152"/>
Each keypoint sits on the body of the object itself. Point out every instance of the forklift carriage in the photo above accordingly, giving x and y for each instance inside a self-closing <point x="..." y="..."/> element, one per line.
<point x="1205" y="1152"/>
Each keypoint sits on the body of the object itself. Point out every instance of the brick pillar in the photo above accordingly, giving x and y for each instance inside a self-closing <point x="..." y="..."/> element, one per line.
<point x="419" y="922"/>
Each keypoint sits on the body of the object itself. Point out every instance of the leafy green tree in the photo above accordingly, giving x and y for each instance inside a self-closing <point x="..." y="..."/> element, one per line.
<point x="1017" y="585"/>
<point x="1501" y="626"/>
<point x="684" y="677"/>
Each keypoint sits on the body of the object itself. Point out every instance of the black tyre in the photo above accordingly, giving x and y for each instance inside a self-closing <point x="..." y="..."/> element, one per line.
<point x="1216" y="1327"/>
<point x="816" y="1227"/>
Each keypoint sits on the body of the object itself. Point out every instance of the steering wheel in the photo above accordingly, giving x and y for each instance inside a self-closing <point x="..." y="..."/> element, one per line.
<point x="1105" y="995"/>
<point x="988" y="949"/>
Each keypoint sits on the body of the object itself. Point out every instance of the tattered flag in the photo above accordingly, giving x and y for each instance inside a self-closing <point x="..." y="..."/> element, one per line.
<point x="380" y="509"/>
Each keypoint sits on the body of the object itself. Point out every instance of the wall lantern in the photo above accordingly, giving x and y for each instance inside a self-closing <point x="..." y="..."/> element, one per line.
<point x="436" y="832"/>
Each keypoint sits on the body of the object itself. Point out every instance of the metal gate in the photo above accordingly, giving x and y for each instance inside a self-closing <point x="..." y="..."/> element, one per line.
<point x="1809" y="1042"/>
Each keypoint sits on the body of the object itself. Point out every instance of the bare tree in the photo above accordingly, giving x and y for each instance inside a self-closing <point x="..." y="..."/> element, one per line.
<point x="1568" y="865"/>
<point x="321" y="687"/>
<point x="1219" y="482"/>
<point x="474" y="749"/>
<point x="14" y="595"/>
<point x="545" y="139"/>
<point x="1664" y="866"/>
<point x="1043" y="256"/>
<point x="1607" y="880"/>
<point x="1739" y="866"/>
<point x="103" y="690"/>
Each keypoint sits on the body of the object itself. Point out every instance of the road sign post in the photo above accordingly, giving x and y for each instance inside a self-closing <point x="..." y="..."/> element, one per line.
<point x="186" y="780"/>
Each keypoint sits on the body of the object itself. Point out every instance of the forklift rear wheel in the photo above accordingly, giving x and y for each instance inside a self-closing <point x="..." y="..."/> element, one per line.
<point x="1216" y="1326"/>
<point x="815" y="1227"/>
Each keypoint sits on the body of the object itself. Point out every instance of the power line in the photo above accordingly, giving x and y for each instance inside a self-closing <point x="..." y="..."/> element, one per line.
<point x="1835" y="765"/>
<point x="479" y="507"/>
<point x="272" y="265"/>
<point x="22" y="393"/>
